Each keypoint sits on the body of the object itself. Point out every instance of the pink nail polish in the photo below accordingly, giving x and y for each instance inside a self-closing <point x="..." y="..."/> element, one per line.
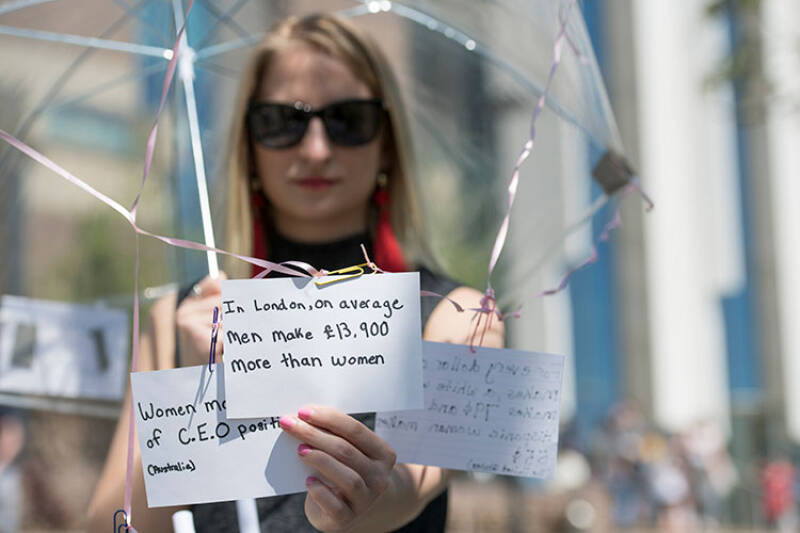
<point x="305" y="413"/>
<point x="304" y="449"/>
<point x="311" y="479"/>
<point x="287" y="421"/>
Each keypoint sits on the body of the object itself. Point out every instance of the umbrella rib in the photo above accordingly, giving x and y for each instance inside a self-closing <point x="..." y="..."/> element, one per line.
<point x="22" y="130"/>
<point x="355" y="11"/>
<point x="21" y="4"/>
<point x="454" y="34"/>
<point x="186" y="75"/>
<point x="228" y="46"/>
<point x="433" y="24"/>
<point x="555" y="244"/>
<point x="132" y="11"/>
<point x="223" y="18"/>
<point x="89" y="42"/>
<point x="144" y="73"/>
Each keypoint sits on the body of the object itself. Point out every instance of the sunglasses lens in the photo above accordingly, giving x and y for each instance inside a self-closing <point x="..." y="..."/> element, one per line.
<point x="276" y="125"/>
<point x="349" y="123"/>
<point x="353" y="123"/>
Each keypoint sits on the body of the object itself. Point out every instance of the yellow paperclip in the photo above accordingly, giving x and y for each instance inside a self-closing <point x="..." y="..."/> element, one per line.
<point x="354" y="268"/>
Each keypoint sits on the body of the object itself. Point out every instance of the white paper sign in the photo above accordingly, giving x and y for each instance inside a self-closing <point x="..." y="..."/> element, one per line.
<point x="353" y="345"/>
<point x="192" y="453"/>
<point x="62" y="349"/>
<point x="492" y="411"/>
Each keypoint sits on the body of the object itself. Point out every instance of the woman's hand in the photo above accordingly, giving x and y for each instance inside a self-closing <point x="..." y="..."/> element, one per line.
<point x="354" y="464"/>
<point x="193" y="320"/>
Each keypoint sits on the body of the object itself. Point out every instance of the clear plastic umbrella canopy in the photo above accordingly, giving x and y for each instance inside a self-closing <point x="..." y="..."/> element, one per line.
<point x="82" y="82"/>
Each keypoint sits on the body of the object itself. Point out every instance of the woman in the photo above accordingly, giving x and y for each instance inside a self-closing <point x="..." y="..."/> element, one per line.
<point x="319" y="165"/>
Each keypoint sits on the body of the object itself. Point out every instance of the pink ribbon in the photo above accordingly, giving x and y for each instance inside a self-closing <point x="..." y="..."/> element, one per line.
<point x="488" y="304"/>
<point x="269" y="266"/>
<point x="130" y="216"/>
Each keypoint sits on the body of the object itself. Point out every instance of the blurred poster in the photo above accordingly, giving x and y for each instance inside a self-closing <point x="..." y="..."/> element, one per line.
<point x="62" y="349"/>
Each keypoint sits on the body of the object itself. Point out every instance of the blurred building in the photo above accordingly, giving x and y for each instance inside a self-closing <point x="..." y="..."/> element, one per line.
<point x="706" y="285"/>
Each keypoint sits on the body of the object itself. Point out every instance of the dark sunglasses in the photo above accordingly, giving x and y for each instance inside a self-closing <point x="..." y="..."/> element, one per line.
<point x="347" y="123"/>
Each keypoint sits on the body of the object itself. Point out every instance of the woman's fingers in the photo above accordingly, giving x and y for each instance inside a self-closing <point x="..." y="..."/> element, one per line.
<point x="331" y="505"/>
<point x="354" y="464"/>
<point x="193" y="320"/>
<point x="193" y="323"/>
<point x="343" y="481"/>
<point x="335" y="446"/>
<point x="350" y="429"/>
<point x="208" y="286"/>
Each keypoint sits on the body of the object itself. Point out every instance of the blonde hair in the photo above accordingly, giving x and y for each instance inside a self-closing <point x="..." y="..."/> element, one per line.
<point x="339" y="39"/>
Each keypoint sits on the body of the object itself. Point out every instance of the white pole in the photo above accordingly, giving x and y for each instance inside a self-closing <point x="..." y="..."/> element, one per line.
<point x="245" y="509"/>
<point x="248" y="516"/>
<point x="186" y="59"/>
<point x="183" y="522"/>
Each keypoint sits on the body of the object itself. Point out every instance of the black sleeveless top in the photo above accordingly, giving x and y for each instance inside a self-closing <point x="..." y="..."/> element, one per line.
<point x="280" y="514"/>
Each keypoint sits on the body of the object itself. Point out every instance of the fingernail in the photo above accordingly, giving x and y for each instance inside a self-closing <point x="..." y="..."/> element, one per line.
<point x="311" y="479"/>
<point x="287" y="421"/>
<point x="304" y="449"/>
<point x="305" y="413"/>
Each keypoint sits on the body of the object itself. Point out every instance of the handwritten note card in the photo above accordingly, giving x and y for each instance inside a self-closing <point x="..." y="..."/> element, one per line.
<point x="354" y="344"/>
<point x="491" y="411"/>
<point x="62" y="349"/>
<point x="192" y="452"/>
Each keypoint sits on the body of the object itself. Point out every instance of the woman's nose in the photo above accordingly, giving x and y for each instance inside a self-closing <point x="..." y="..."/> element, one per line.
<point x="315" y="144"/>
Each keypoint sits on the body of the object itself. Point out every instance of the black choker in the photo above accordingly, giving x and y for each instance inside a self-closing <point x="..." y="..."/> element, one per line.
<point x="329" y="255"/>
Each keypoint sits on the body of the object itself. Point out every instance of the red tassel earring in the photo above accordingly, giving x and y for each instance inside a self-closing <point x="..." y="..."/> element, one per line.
<point x="388" y="254"/>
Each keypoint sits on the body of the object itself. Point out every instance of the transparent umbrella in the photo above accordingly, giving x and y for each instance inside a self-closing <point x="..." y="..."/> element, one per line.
<point x="505" y="101"/>
<point x="471" y="75"/>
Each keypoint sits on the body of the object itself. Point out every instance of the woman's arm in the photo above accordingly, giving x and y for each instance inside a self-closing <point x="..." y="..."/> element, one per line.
<point x="155" y="346"/>
<point x="192" y="320"/>
<point x="446" y="324"/>
<point x="360" y="487"/>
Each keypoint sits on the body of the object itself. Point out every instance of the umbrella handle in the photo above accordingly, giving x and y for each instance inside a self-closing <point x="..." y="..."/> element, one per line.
<point x="183" y="522"/>
<point x="248" y="516"/>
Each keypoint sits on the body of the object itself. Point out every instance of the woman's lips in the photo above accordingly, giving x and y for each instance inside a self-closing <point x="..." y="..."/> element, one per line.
<point x="315" y="182"/>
